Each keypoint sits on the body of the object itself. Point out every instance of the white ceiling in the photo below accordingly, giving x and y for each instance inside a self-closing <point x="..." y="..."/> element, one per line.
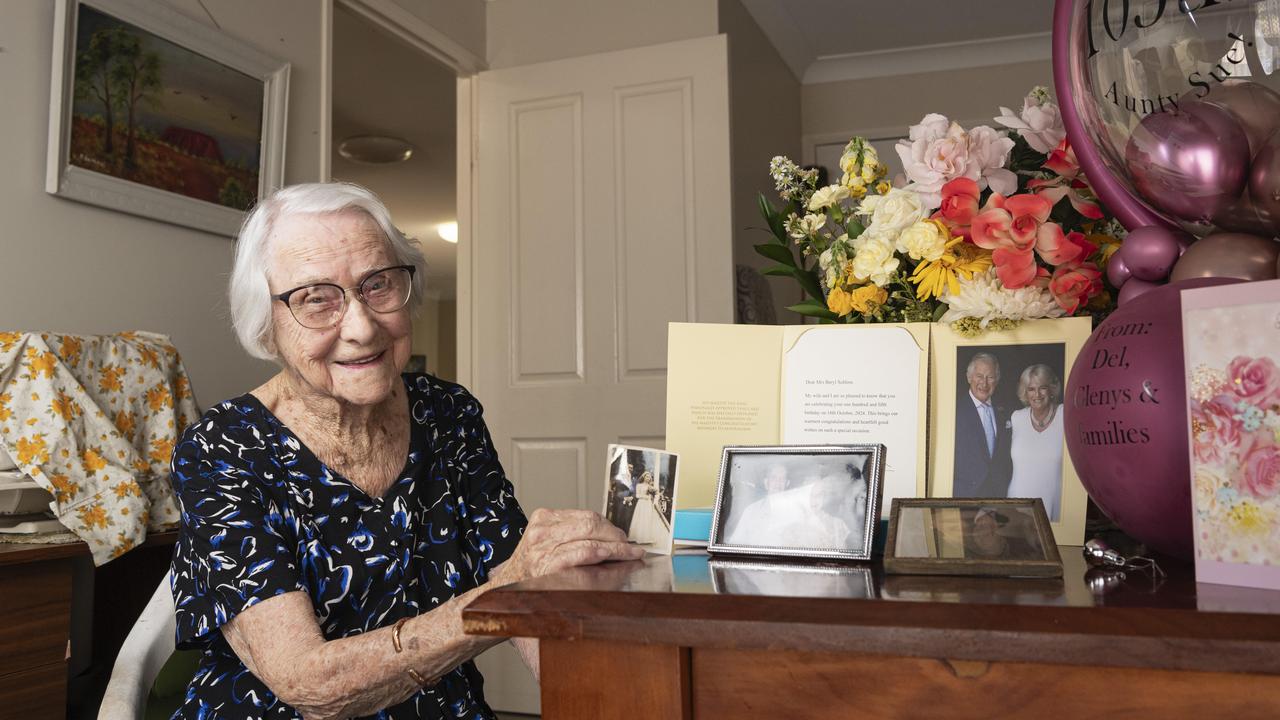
<point x="381" y="86"/>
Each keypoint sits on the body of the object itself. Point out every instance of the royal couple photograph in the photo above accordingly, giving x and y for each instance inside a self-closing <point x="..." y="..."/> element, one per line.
<point x="1009" y="427"/>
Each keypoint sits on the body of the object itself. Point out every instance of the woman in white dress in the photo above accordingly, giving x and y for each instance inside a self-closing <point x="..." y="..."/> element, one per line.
<point x="648" y="526"/>
<point x="1037" y="439"/>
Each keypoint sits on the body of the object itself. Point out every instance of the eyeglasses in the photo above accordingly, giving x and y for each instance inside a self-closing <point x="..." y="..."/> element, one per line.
<point x="322" y="305"/>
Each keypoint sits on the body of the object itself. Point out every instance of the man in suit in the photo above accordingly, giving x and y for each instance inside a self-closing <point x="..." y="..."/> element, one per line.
<point x="622" y="496"/>
<point x="982" y="463"/>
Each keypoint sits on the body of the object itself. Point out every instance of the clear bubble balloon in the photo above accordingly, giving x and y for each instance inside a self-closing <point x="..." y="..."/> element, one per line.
<point x="1133" y="78"/>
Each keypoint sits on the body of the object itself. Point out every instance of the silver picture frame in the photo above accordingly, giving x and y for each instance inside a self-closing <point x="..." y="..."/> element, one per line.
<point x="814" y="502"/>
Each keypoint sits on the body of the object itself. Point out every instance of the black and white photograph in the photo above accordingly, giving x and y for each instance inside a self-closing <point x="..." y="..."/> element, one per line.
<point x="641" y="494"/>
<point x="799" y="501"/>
<point x="1008" y="424"/>
<point x="972" y="537"/>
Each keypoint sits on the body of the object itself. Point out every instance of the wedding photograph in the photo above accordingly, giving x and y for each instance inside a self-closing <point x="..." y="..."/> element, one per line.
<point x="641" y="486"/>
<point x="812" y="501"/>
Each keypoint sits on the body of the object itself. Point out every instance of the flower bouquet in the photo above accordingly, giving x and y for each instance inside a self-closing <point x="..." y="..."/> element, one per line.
<point x="987" y="228"/>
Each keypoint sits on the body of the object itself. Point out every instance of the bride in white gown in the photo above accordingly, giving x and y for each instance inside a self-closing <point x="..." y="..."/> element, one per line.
<point x="648" y="526"/>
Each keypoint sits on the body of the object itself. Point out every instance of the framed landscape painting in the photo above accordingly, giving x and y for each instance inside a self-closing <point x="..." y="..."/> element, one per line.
<point x="158" y="115"/>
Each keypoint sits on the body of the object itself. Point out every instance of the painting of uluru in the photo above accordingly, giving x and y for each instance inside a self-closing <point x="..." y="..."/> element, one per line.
<point x="153" y="112"/>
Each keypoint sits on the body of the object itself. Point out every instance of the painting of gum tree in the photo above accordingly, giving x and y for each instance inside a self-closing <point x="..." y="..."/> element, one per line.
<point x="152" y="112"/>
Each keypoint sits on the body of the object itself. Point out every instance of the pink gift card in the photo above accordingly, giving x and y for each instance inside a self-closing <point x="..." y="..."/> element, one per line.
<point x="1231" y="343"/>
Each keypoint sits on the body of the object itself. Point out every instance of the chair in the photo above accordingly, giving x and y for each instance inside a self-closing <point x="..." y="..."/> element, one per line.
<point x="145" y="650"/>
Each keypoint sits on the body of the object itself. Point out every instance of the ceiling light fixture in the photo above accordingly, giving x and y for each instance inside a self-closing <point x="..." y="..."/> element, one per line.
<point x="448" y="232"/>
<point x="375" y="149"/>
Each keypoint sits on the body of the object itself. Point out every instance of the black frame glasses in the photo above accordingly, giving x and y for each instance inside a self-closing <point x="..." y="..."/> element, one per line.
<point x="359" y="291"/>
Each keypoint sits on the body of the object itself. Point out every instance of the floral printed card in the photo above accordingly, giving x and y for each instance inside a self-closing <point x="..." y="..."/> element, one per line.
<point x="1231" y="339"/>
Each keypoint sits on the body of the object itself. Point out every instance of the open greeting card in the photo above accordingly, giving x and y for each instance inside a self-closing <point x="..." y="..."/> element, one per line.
<point x="1231" y="339"/>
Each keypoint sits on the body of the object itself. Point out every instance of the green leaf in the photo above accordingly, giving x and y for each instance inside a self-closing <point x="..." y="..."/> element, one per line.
<point x="779" y="270"/>
<point x="810" y="308"/>
<point x="939" y="311"/>
<point x="775" y="219"/>
<point x="777" y="253"/>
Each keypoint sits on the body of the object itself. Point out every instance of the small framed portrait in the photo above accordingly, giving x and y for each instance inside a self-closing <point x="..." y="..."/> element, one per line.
<point x="779" y="579"/>
<point x="801" y="501"/>
<point x="979" y="536"/>
<point x="640" y="494"/>
<point x="999" y="429"/>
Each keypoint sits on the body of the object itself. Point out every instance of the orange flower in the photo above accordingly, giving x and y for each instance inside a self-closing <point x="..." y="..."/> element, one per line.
<point x="70" y="349"/>
<point x="150" y="357"/>
<point x="94" y="516"/>
<point x="5" y="412"/>
<point x="64" y="488"/>
<point x="66" y="407"/>
<point x="8" y="340"/>
<point x="33" y="450"/>
<point x="41" y="363"/>
<point x="125" y="423"/>
<point x="92" y="460"/>
<point x="158" y="398"/>
<point x="182" y="388"/>
<point x="161" y="450"/>
<point x="125" y="488"/>
<point x="110" y="380"/>
<point x="123" y="545"/>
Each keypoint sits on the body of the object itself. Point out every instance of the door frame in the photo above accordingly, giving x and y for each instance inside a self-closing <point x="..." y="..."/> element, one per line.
<point x="436" y="44"/>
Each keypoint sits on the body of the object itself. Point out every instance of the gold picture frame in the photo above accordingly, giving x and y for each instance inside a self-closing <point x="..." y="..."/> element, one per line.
<point x="977" y="536"/>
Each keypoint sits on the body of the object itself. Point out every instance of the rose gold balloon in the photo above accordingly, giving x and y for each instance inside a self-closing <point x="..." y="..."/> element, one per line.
<point x="1229" y="255"/>
<point x="1256" y="106"/>
<point x="1244" y="216"/>
<point x="1264" y="181"/>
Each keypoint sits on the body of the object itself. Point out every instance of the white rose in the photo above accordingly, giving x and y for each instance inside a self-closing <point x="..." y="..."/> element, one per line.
<point x="874" y="260"/>
<point x="828" y="196"/>
<point x="988" y="152"/>
<point x="1039" y="123"/>
<point x="893" y="212"/>
<point x="922" y="241"/>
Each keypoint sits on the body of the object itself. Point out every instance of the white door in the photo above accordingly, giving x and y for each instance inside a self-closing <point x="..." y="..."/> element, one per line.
<point x="601" y="212"/>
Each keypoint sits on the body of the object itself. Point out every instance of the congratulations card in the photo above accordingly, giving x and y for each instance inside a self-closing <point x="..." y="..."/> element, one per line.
<point x="1231" y="339"/>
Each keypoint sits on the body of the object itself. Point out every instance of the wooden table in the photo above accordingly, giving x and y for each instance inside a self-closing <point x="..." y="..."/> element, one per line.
<point x="52" y="593"/>
<point x="683" y="638"/>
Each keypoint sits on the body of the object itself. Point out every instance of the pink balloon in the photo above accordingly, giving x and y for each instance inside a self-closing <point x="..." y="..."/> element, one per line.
<point x="1149" y="252"/>
<point x="1264" y="182"/>
<point x="1191" y="162"/>
<point x="1117" y="272"/>
<point x="1126" y="419"/>
<point x="1135" y="288"/>
<point x="1228" y="255"/>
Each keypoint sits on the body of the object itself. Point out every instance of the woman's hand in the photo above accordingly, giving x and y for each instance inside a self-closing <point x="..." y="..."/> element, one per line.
<point x="558" y="539"/>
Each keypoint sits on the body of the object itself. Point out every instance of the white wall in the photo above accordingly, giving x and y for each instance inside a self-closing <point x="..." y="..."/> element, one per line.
<point x="764" y="120"/>
<point x="70" y="267"/>
<point x="902" y="100"/>
<point x="522" y="32"/>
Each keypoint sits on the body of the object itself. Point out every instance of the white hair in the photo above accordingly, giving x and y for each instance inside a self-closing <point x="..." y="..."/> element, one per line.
<point x="250" y="298"/>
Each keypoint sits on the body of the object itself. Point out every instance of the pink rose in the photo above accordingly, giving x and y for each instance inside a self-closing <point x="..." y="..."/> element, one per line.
<point x="937" y="151"/>
<point x="1256" y="380"/>
<point x="1016" y="268"/>
<point x="1073" y="284"/>
<point x="1014" y="223"/>
<point x="1058" y="249"/>
<point x="1039" y="123"/>
<point x="1070" y="183"/>
<point x="959" y="205"/>
<point x="1215" y="428"/>
<point x="1260" y="471"/>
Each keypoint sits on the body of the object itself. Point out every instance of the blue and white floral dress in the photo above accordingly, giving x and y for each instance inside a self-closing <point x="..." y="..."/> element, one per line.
<point x="262" y="515"/>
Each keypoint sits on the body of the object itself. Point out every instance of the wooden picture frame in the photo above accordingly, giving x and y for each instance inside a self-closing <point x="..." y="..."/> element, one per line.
<point x="974" y="536"/>
<point x="817" y="502"/>
<point x="198" y="135"/>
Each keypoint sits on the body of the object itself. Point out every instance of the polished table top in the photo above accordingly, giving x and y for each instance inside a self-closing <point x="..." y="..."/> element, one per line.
<point x="691" y="599"/>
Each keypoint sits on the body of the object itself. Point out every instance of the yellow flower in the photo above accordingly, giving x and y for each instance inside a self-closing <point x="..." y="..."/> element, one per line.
<point x="158" y="398"/>
<point x="64" y="488"/>
<point x="94" y="516"/>
<point x="182" y="388"/>
<point x="123" y="544"/>
<point x="110" y="380"/>
<point x="839" y="301"/>
<point x="41" y="363"/>
<point x="66" y="407"/>
<point x="868" y="298"/>
<point x="8" y="340"/>
<point x="124" y="422"/>
<point x="1249" y="518"/>
<point x="33" y="450"/>
<point x="1107" y="246"/>
<point x="959" y="258"/>
<point x="93" y="460"/>
<point x="5" y="412"/>
<point x="150" y="357"/>
<point x="125" y="488"/>
<point x="70" y="349"/>
<point x="883" y="187"/>
<point x="161" y="450"/>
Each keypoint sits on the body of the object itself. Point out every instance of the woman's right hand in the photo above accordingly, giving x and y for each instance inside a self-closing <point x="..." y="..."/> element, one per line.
<point x="556" y="540"/>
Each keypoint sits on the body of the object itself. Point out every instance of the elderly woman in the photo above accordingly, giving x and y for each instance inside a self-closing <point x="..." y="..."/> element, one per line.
<point x="337" y="519"/>
<point x="1036" y="449"/>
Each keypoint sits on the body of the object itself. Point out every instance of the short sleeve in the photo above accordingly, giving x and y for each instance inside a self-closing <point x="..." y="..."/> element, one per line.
<point x="235" y="548"/>
<point x="493" y="514"/>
